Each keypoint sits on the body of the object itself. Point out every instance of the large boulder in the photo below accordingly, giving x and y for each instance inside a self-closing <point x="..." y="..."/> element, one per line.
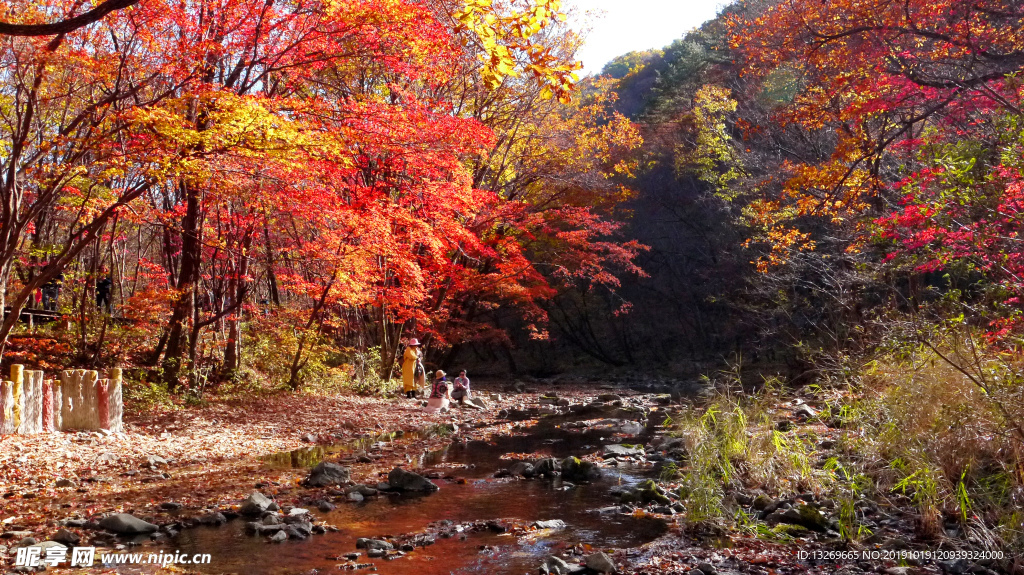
<point x="402" y="480"/>
<point x="328" y="474"/>
<point x="125" y="524"/>
<point x="575" y="469"/>
<point x="255" y="504"/>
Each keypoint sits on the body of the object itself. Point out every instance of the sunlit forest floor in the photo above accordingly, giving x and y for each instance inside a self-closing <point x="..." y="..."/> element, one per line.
<point x="197" y="455"/>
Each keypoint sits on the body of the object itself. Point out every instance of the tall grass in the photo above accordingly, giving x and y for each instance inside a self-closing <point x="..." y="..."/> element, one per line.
<point x="915" y="430"/>
<point x="732" y="444"/>
<point x="932" y="434"/>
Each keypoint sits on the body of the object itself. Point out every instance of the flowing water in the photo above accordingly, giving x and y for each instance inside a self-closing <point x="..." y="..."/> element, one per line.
<point x="481" y="498"/>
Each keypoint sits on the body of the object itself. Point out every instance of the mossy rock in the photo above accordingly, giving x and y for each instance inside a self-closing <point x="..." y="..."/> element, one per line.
<point x="791" y="530"/>
<point x="575" y="469"/>
<point x="761" y="502"/>
<point x="803" y="515"/>
<point x="647" y="485"/>
<point x="650" y="492"/>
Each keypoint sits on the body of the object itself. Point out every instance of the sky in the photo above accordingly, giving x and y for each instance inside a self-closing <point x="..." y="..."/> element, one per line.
<point x="628" y="25"/>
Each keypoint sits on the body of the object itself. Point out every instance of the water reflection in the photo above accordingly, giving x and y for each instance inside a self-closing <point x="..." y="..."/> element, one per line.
<point x="307" y="457"/>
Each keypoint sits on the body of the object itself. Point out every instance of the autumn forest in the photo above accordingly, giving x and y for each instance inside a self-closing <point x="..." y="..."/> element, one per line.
<point x="787" y="244"/>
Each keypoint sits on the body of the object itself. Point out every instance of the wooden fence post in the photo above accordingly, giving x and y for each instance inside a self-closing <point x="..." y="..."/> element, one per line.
<point x="71" y="384"/>
<point x="58" y="404"/>
<point x="116" y="399"/>
<point x="6" y="408"/>
<point x="17" y="381"/>
<point x="31" y="402"/>
<point x="90" y="416"/>
<point x="47" y="406"/>
<point x="103" y="402"/>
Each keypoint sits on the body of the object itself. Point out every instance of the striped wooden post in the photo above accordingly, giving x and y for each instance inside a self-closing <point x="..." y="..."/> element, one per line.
<point x="38" y="379"/>
<point x="29" y="404"/>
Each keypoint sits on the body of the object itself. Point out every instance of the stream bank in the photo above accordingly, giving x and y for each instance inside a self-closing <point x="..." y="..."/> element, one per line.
<point x="188" y="501"/>
<point x="483" y="519"/>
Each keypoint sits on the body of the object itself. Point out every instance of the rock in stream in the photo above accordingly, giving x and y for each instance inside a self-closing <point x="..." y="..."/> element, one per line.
<point x="402" y="480"/>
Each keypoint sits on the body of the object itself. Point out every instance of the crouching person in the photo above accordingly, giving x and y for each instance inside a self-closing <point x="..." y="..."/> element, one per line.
<point x="440" y="393"/>
<point x="461" y="392"/>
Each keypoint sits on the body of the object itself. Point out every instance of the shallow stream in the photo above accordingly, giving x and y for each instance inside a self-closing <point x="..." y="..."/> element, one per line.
<point x="480" y="498"/>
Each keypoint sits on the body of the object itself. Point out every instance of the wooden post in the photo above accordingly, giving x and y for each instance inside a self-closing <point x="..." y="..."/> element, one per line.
<point x="71" y="384"/>
<point x="6" y="408"/>
<point x="103" y="403"/>
<point x="31" y="402"/>
<point x="17" y="381"/>
<point x="47" y="406"/>
<point x="116" y="400"/>
<point x="90" y="416"/>
<point x="48" y="421"/>
<point x="58" y="404"/>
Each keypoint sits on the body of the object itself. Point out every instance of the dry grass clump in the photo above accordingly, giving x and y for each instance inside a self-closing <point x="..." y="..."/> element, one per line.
<point x="942" y="426"/>
<point x="936" y="427"/>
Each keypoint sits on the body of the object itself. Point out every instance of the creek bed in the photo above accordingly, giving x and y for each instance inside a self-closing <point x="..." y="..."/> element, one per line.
<point x="480" y="498"/>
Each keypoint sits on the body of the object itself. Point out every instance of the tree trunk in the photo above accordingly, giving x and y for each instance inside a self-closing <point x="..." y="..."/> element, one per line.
<point x="275" y="296"/>
<point x="297" y="365"/>
<point x="188" y="277"/>
<point x="239" y="290"/>
<point x="232" y="352"/>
